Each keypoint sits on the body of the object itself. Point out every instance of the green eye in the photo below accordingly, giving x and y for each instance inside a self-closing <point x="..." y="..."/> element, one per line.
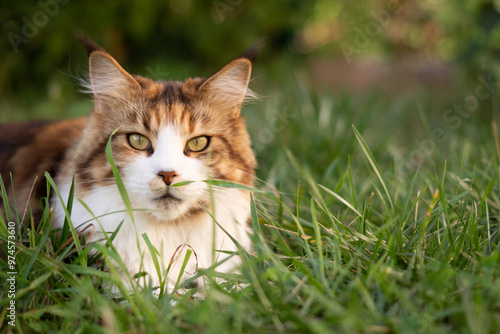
<point x="197" y="144"/>
<point x="139" y="142"/>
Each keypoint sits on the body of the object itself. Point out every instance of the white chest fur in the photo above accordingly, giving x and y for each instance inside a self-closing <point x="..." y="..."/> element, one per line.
<point x="171" y="239"/>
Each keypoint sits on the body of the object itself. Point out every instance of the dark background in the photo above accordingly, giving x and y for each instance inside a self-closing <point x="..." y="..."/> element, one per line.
<point x="394" y="46"/>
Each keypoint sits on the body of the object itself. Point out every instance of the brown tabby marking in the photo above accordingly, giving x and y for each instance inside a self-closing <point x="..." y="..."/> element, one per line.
<point x="27" y="151"/>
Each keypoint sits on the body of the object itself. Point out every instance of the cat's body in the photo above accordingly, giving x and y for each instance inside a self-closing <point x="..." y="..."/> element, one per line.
<point x="168" y="132"/>
<point x="27" y="151"/>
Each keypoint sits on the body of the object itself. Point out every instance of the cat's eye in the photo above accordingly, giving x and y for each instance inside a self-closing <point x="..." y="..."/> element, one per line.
<point x="197" y="144"/>
<point x="139" y="142"/>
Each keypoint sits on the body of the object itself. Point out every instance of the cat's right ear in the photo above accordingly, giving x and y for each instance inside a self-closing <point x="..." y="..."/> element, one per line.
<point x="108" y="78"/>
<point x="109" y="82"/>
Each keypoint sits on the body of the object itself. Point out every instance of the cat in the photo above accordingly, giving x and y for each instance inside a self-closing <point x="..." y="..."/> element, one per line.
<point x="168" y="132"/>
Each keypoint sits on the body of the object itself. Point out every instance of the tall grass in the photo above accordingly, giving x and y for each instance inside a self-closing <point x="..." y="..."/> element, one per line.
<point x="347" y="236"/>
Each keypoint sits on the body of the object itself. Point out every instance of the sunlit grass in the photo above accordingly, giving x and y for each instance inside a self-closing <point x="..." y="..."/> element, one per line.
<point x="347" y="237"/>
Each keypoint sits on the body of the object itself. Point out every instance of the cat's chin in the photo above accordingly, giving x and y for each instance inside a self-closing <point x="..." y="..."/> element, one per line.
<point x="164" y="217"/>
<point x="172" y="209"/>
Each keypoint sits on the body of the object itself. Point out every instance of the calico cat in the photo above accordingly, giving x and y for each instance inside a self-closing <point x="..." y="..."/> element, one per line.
<point x="168" y="132"/>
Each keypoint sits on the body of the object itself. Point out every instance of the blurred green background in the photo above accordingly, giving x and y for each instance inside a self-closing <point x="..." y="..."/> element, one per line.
<point x="393" y="46"/>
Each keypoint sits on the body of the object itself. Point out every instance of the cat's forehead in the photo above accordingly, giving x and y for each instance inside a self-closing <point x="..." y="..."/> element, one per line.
<point x="171" y="103"/>
<point x="173" y="114"/>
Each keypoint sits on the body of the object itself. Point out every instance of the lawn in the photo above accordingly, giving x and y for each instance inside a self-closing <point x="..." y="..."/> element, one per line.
<point x="372" y="214"/>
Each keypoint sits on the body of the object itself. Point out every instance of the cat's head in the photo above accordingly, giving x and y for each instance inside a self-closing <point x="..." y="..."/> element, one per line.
<point x="169" y="132"/>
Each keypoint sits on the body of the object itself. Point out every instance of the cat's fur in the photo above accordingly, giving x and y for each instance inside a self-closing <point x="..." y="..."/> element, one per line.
<point x="169" y="114"/>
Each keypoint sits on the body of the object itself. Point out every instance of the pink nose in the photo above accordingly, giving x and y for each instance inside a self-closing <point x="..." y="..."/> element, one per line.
<point x="167" y="177"/>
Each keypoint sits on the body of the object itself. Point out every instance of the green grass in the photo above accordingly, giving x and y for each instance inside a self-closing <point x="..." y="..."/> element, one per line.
<point x="357" y="230"/>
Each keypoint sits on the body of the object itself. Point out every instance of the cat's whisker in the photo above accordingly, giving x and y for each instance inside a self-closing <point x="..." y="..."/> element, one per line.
<point x="94" y="181"/>
<point x="213" y="189"/>
<point x="272" y="187"/>
<point x="259" y="179"/>
<point x="98" y="191"/>
<point x="231" y="193"/>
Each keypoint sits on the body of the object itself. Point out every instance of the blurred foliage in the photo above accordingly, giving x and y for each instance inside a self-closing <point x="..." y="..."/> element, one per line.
<point x="157" y="38"/>
<point x="173" y="39"/>
<point x="466" y="31"/>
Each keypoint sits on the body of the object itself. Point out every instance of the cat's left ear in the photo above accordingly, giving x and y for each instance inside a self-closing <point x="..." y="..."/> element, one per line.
<point x="228" y="88"/>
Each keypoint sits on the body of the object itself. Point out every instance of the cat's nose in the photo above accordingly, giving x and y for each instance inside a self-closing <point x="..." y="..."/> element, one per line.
<point x="167" y="177"/>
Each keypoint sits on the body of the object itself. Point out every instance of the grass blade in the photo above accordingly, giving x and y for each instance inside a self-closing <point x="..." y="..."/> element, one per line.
<point x="369" y="156"/>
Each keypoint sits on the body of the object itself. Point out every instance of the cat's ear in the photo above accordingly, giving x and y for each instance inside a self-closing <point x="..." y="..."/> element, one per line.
<point x="108" y="81"/>
<point x="228" y="88"/>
